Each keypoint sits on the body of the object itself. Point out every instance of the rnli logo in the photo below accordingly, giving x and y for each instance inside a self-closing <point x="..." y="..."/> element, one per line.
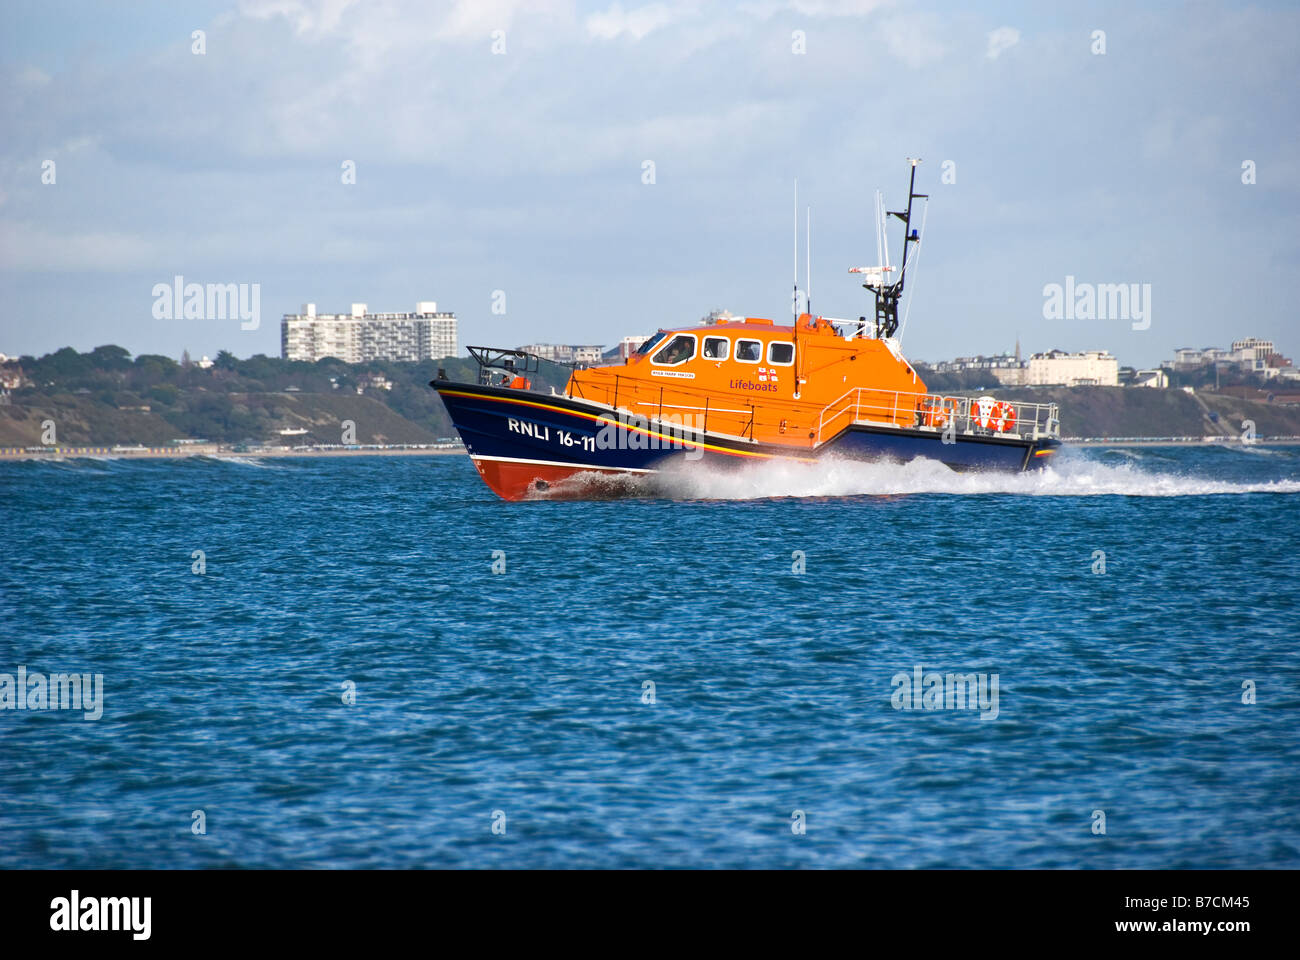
<point x="527" y="428"/>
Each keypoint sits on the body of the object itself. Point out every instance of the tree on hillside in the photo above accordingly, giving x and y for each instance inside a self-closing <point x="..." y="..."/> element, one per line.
<point x="110" y="357"/>
<point x="153" y="368"/>
<point x="62" y="364"/>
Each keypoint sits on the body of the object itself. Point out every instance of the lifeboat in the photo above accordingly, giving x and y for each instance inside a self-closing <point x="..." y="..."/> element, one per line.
<point x="736" y="390"/>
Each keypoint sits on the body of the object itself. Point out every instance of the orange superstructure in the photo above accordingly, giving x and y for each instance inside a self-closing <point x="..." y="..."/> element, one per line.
<point x="748" y="377"/>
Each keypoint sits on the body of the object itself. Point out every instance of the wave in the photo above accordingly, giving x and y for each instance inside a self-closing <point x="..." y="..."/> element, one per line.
<point x="1256" y="450"/>
<point x="1069" y="477"/>
<point x="254" y="462"/>
<point x="78" y="461"/>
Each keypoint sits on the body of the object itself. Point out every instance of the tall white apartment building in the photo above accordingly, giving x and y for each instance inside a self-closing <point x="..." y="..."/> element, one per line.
<point x="565" y="352"/>
<point x="1056" y="367"/>
<point x="1248" y="353"/>
<point x="359" y="336"/>
<point x="1253" y="353"/>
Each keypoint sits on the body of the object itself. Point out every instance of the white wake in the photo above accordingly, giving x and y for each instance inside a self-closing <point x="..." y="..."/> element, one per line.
<point x="1067" y="477"/>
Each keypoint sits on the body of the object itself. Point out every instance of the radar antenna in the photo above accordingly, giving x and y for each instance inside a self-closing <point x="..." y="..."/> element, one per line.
<point x="888" y="294"/>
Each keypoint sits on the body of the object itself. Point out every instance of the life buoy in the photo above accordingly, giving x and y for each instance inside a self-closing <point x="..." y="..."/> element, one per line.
<point x="981" y="412"/>
<point x="1004" y="416"/>
<point x="940" y="412"/>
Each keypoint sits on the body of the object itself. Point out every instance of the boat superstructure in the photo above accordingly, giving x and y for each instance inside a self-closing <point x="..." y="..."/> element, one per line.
<point x="736" y="390"/>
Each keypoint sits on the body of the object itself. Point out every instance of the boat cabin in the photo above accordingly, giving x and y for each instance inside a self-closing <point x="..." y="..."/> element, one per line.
<point x="749" y="377"/>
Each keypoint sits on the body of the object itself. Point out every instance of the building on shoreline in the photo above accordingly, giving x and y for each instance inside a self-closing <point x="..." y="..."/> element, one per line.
<point x="626" y="347"/>
<point x="1246" y="355"/>
<point x="1051" y="369"/>
<point x="1156" y="379"/>
<point x="1007" y="370"/>
<point x="565" y="352"/>
<point x="360" y="336"/>
<point x="1091" y="368"/>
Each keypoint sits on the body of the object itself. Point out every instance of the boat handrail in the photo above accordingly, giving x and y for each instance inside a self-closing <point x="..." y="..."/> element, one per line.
<point x="933" y="411"/>
<point x="859" y="405"/>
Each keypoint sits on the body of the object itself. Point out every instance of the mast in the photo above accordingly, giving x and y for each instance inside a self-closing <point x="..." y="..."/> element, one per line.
<point x="888" y="294"/>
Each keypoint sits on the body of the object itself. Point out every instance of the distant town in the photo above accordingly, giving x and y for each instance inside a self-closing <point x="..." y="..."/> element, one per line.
<point x="1097" y="368"/>
<point x="425" y="333"/>
<point x="371" y="370"/>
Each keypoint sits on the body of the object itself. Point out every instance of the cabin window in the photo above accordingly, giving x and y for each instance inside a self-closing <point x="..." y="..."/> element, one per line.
<point x="749" y="351"/>
<point x="782" y="354"/>
<point x="716" y="348"/>
<point x="650" y="344"/>
<point x="678" y="350"/>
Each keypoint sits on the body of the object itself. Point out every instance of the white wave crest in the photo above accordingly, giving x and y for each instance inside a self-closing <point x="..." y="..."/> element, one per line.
<point x="253" y="462"/>
<point x="1068" y="477"/>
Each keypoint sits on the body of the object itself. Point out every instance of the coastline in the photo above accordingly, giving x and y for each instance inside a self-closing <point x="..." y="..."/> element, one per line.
<point x="16" y="454"/>
<point x="1179" y="442"/>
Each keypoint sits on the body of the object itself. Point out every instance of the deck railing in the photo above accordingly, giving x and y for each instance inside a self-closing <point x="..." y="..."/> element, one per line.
<point x="965" y="415"/>
<point x="803" y="425"/>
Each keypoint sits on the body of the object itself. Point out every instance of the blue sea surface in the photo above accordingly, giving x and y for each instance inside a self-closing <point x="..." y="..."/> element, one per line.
<point x="650" y="682"/>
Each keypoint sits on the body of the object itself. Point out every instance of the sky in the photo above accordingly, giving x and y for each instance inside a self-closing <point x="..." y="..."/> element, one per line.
<point x="501" y="153"/>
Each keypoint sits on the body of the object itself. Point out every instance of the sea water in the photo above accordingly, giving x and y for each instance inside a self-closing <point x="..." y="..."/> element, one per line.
<point x="372" y="662"/>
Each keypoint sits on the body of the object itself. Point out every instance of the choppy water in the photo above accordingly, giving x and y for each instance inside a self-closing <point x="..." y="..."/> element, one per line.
<point x="522" y="692"/>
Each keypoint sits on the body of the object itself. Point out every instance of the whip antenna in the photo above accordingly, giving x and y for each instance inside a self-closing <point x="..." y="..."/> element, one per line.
<point x="794" y="304"/>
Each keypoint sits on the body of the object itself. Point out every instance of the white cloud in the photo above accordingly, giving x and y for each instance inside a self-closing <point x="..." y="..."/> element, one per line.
<point x="474" y="20"/>
<point x="308" y="17"/>
<point x="465" y="159"/>
<point x="636" y="24"/>
<point x="1001" y="40"/>
<point x="31" y="246"/>
<point x="766" y="9"/>
<point x="913" y="39"/>
<point x="1185" y="137"/>
<point x="32" y="78"/>
<point x="837" y="8"/>
<point x="386" y="24"/>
